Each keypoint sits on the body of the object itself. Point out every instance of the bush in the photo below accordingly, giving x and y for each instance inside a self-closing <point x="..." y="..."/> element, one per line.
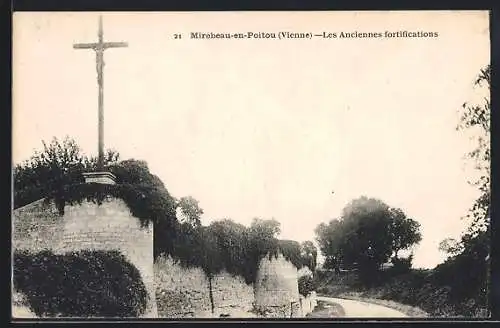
<point x="80" y="284"/>
<point x="306" y="285"/>
<point x="401" y="265"/>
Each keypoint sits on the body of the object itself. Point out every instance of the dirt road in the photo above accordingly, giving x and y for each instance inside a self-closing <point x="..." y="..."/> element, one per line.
<point x="357" y="309"/>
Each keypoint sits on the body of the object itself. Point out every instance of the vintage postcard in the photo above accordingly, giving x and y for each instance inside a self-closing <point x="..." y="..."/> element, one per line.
<point x="251" y="164"/>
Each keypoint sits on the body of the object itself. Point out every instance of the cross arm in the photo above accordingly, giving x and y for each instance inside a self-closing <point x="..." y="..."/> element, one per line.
<point x="85" y="45"/>
<point x="104" y="45"/>
<point x="115" y="45"/>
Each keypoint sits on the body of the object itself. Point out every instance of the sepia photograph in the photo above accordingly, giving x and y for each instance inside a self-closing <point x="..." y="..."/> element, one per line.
<point x="238" y="164"/>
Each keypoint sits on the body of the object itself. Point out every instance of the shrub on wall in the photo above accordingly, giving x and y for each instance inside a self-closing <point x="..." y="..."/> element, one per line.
<point x="225" y="245"/>
<point x="146" y="203"/>
<point x="306" y="285"/>
<point x="80" y="284"/>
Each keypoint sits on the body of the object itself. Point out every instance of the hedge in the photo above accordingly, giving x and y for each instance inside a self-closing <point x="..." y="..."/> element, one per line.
<point x="80" y="284"/>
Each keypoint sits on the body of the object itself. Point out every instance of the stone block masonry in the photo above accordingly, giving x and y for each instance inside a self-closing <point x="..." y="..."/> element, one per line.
<point x="181" y="292"/>
<point x="89" y="226"/>
<point x="232" y="296"/>
<point x="184" y="292"/>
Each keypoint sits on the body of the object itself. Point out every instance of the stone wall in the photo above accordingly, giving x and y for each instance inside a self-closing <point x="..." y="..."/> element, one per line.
<point x="185" y="292"/>
<point x="174" y="291"/>
<point x="109" y="226"/>
<point x="276" y="288"/>
<point x="181" y="292"/>
<point x="232" y="296"/>
<point x="37" y="226"/>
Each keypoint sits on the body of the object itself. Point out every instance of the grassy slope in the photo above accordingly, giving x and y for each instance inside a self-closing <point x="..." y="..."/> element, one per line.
<point x="413" y="293"/>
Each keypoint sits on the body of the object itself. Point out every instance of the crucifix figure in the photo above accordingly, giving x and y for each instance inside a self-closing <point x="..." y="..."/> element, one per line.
<point x="99" y="48"/>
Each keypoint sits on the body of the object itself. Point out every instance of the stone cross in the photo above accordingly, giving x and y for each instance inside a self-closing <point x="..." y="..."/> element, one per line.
<point x="99" y="48"/>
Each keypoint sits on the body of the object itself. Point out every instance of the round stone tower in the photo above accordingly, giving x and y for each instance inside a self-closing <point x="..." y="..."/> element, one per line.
<point x="276" y="287"/>
<point x="88" y="226"/>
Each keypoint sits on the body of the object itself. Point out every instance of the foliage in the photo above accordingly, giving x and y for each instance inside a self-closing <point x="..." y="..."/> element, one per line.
<point x="56" y="174"/>
<point x="450" y="246"/>
<point x="59" y="164"/>
<point x="190" y="210"/>
<point x="401" y="265"/>
<point x="476" y="117"/>
<point x="306" y="285"/>
<point x="309" y="253"/>
<point x="226" y="245"/>
<point x="366" y="236"/>
<point x="466" y="273"/>
<point x="191" y="247"/>
<point x="264" y="229"/>
<point x="221" y="245"/>
<point x="80" y="284"/>
<point x="291" y="251"/>
<point x="418" y="288"/>
<point x="135" y="172"/>
<point x="404" y="231"/>
<point x="231" y="240"/>
<point x="145" y="203"/>
<point x="467" y="268"/>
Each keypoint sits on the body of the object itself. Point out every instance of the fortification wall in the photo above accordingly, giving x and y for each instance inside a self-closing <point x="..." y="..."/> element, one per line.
<point x="185" y="292"/>
<point x="37" y="226"/>
<point x="181" y="292"/>
<point x="232" y="296"/>
<point x="174" y="291"/>
<point x="109" y="226"/>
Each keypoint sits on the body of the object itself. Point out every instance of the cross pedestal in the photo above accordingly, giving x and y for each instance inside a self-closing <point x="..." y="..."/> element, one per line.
<point x="100" y="177"/>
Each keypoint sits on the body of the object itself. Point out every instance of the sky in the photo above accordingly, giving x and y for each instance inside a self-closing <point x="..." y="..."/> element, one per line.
<point x="267" y="128"/>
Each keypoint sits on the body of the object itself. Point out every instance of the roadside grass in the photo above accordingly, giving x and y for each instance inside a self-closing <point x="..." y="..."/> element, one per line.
<point x="417" y="293"/>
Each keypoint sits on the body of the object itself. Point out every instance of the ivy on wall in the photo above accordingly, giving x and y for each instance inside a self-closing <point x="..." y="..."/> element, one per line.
<point x="56" y="175"/>
<point x="146" y="203"/>
<point x="306" y="285"/>
<point x="225" y="245"/>
<point x="80" y="284"/>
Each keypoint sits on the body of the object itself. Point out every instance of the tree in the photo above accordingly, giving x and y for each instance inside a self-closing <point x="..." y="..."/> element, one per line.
<point x="366" y="235"/>
<point x="366" y="228"/>
<point x="190" y="210"/>
<point x="469" y="261"/>
<point x="135" y="172"/>
<point x="450" y="246"/>
<point x="476" y="117"/>
<point x="231" y="239"/>
<point x="475" y="242"/>
<point x="328" y="237"/>
<point x="309" y="253"/>
<point x="61" y="163"/>
<point x="265" y="228"/>
<point x="405" y="231"/>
